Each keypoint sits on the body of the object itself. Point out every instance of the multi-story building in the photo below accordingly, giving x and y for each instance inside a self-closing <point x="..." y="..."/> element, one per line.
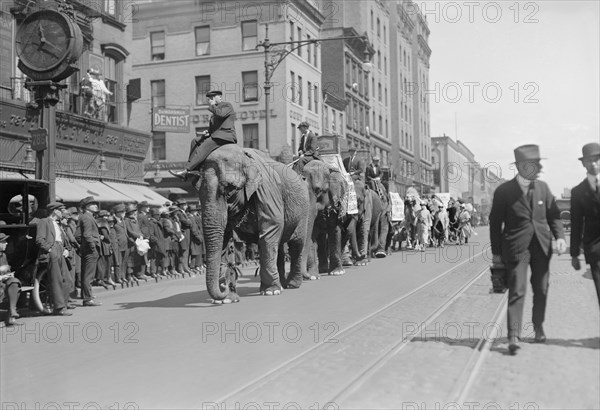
<point x="456" y="171"/>
<point x="94" y="156"/>
<point x="181" y="52"/>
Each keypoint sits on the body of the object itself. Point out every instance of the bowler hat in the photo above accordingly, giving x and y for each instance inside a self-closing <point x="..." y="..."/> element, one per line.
<point x="303" y="124"/>
<point x="119" y="208"/>
<point x="55" y="205"/>
<point x="130" y="208"/>
<point x="212" y="93"/>
<point x="103" y="213"/>
<point x="590" y="150"/>
<point x="3" y="237"/>
<point x="143" y="204"/>
<point x="88" y="201"/>
<point x="73" y="210"/>
<point x="530" y="152"/>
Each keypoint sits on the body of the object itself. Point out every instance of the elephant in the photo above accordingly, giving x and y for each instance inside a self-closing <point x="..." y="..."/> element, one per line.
<point x="266" y="203"/>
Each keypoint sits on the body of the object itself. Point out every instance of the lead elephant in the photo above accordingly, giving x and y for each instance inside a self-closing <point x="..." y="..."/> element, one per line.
<point x="265" y="202"/>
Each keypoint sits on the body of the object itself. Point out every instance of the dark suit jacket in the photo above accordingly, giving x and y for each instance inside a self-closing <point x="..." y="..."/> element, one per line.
<point x="585" y="221"/>
<point x="144" y="224"/>
<point x="222" y="122"/>
<point x="121" y="233"/>
<point x="513" y="223"/>
<point x="308" y="143"/>
<point x="45" y="236"/>
<point x="133" y="231"/>
<point x="355" y="165"/>
<point x="371" y="173"/>
<point x="90" y="237"/>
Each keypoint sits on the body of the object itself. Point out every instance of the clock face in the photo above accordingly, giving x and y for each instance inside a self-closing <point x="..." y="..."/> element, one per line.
<point x="43" y="40"/>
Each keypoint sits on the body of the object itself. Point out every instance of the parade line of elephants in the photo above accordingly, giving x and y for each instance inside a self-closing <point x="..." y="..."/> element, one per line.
<point x="270" y="204"/>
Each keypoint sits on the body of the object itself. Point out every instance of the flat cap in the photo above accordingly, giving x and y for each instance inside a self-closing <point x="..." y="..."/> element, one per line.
<point x="212" y="93"/>
<point x="143" y="204"/>
<point x="119" y="208"/>
<point x="73" y="210"/>
<point x="88" y="200"/>
<point x="303" y="124"/>
<point x="55" y="205"/>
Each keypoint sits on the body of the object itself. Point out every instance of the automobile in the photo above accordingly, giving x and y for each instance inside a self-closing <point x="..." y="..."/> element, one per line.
<point x="18" y="221"/>
<point x="564" y="205"/>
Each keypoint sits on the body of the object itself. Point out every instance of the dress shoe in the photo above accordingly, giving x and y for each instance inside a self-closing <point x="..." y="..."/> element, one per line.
<point x="513" y="345"/>
<point x="62" y="312"/>
<point x="71" y="306"/>
<point x="91" y="303"/>
<point x="179" y="174"/>
<point x="540" y="336"/>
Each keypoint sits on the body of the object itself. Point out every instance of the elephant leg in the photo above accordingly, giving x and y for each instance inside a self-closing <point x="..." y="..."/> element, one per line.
<point x="281" y="265"/>
<point x="294" y="279"/>
<point x="322" y="251"/>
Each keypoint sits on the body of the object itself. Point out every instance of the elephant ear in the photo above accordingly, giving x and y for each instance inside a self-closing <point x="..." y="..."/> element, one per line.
<point x="251" y="173"/>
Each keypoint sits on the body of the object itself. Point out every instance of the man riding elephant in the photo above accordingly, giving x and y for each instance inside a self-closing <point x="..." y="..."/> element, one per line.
<point x="265" y="202"/>
<point x="221" y="131"/>
<point x="308" y="149"/>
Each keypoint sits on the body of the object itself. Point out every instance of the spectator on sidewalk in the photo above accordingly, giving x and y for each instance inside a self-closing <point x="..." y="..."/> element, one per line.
<point x="585" y="214"/>
<point x="523" y="219"/>
<point x="9" y="285"/>
<point x="90" y="249"/>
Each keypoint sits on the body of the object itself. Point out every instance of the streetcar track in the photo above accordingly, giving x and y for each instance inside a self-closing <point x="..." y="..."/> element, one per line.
<point x="465" y="381"/>
<point x="286" y="365"/>
<point x="388" y="355"/>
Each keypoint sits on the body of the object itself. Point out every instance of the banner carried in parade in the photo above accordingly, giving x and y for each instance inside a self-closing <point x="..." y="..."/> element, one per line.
<point x="397" y="207"/>
<point x="444" y="197"/>
<point x="336" y="161"/>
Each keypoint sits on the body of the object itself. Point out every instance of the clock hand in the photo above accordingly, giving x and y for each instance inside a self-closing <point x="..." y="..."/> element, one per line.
<point x="48" y="52"/>
<point x="53" y="46"/>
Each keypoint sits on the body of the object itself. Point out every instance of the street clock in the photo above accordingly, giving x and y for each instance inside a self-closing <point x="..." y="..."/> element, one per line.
<point x="48" y="44"/>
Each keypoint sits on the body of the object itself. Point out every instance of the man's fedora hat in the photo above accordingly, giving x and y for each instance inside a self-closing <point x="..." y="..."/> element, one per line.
<point x="118" y="208"/>
<point x="590" y="150"/>
<point x="530" y="152"/>
<point x="88" y="201"/>
<point x="173" y="209"/>
<point x="73" y="210"/>
<point x="181" y="201"/>
<point x="143" y="204"/>
<point x="3" y="237"/>
<point x="55" y="205"/>
<point x="130" y="208"/>
<point x="303" y="124"/>
<point x="212" y="93"/>
<point x="155" y="212"/>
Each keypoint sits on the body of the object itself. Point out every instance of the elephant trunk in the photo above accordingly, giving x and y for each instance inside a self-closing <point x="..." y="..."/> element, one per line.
<point x="214" y="221"/>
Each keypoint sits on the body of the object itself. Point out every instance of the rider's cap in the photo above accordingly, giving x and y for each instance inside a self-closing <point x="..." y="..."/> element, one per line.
<point x="212" y="93"/>
<point x="303" y="124"/>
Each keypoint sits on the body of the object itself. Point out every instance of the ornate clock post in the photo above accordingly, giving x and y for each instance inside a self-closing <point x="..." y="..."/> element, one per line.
<point x="49" y="44"/>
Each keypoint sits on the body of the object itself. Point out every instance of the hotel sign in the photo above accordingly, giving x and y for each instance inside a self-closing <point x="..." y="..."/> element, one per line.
<point x="171" y="120"/>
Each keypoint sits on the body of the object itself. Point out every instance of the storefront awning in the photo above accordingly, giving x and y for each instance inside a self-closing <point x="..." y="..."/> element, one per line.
<point x="74" y="190"/>
<point x="139" y="193"/>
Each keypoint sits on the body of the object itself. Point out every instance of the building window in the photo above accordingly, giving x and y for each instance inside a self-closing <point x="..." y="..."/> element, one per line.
<point x="386" y="97"/>
<point x="380" y="124"/>
<point x="347" y="69"/>
<point x="111" y="79"/>
<point x="340" y="123"/>
<point x="366" y="85"/>
<point x="384" y="34"/>
<point x="385" y="65"/>
<point x="250" y="132"/>
<point x="157" y="45"/>
<point x="372" y="26"/>
<point x="316" y="96"/>
<point x="349" y="115"/>
<point x="293" y="134"/>
<point x="202" y="40"/>
<point x="250" y="84"/>
<point x="157" y="89"/>
<point x="299" y="49"/>
<point x="159" y="146"/>
<point x="379" y="90"/>
<point x="379" y="59"/>
<point x="308" y="51"/>
<point x="249" y="35"/>
<point x="292" y="30"/>
<point x="300" y="90"/>
<point x="202" y="87"/>
<point x="378" y="28"/>
<point x="325" y="119"/>
<point x="316" y="54"/>
<point x="109" y="8"/>
<point x="309" y="100"/>
<point x="293" y="82"/>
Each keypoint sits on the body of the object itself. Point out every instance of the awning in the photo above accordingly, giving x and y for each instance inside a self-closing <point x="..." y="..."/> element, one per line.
<point x="172" y="190"/>
<point x="139" y="193"/>
<point x="74" y="190"/>
<point x="6" y="175"/>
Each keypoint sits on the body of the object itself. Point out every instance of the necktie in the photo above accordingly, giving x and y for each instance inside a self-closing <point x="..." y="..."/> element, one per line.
<point x="530" y="193"/>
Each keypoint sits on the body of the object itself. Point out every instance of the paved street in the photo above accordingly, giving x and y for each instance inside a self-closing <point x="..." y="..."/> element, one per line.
<point x="165" y="346"/>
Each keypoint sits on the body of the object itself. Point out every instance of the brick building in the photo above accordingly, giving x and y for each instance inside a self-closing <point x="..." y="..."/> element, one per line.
<point x="94" y="156"/>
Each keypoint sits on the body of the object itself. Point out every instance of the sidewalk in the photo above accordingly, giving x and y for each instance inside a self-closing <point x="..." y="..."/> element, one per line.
<point x="563" y="373"/>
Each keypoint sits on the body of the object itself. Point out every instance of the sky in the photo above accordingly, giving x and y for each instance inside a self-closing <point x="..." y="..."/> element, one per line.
<point x="508" y="73"/>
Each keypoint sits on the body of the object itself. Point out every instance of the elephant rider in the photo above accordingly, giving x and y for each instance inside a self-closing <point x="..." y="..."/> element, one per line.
<point x="353" y="165"/>
<point x="308" y="149"/>
<point x="373" y="176"/>
<point x="221" y="131"/>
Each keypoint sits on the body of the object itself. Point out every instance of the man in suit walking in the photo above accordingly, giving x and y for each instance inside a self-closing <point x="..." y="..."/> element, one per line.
<point x="221" y="131"/>
<point x="50" y="239"/>
<point x="523" y="218"/>
<point x="353" y="165"/>
<point x="90" y="248"/>
<point x="585" y="214"/>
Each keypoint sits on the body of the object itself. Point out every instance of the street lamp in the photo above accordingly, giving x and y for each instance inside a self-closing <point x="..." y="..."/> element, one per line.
<point x="274" y="57"/>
